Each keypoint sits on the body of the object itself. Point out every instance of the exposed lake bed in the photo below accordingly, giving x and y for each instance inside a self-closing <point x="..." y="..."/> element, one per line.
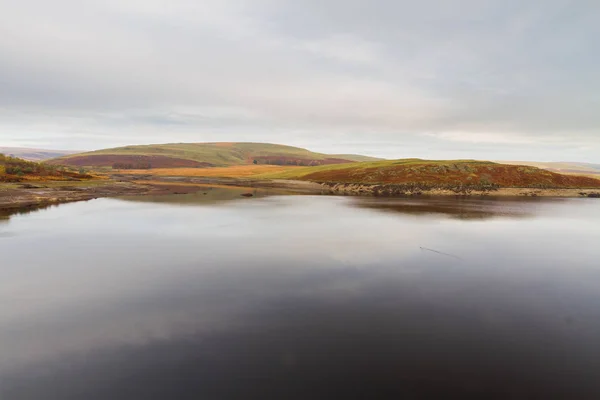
<point x="219" y="296"/>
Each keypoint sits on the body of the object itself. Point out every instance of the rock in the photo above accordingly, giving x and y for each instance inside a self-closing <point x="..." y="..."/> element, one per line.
<point x="247" y="194"/>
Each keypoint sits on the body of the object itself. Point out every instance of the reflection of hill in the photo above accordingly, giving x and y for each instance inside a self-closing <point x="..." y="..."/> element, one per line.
<point x="465" y="209"/>
<point x="6" y="214"/>
<point x="205" y="195"/>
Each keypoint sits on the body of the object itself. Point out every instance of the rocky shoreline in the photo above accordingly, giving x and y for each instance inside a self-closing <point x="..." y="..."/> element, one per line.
<point x="416" y="190"/>
<point x="377" y="190"/>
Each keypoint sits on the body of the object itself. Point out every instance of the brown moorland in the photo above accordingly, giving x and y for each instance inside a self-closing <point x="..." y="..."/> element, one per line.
<point x="439" y="173"/>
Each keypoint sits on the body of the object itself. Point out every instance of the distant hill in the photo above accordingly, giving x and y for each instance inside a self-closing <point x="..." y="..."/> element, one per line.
<point x="34" y="154"/>
<point x="565" y="167"/>
<point x="221" y="154"/>
<point x="437" y="174"/>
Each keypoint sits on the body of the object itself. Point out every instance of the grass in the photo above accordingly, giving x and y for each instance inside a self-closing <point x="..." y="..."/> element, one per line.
<point x="8" y="186"/>
<point x="86" y="183"/>
<point x="236" y="171"/>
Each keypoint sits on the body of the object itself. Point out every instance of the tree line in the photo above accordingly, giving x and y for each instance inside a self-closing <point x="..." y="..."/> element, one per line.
<point x="10" y="165"/>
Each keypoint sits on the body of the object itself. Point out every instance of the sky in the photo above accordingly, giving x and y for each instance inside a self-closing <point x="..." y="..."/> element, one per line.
<point x="501" y="80"/>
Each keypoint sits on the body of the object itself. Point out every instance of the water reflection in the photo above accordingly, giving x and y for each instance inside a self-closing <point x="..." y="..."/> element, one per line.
<point x="5" y="215"/>
<point x="456" y="207"/>
<point x="209" y="194"/>
<point x="301" y="297"/>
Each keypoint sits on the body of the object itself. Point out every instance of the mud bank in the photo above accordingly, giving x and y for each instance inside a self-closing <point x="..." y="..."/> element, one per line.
<point x="291" y="185"/>
<point x="356" y="189"/>
<point x="39" y="194"/>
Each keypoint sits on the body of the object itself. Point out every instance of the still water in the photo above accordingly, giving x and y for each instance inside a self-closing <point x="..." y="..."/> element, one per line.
<point x="215" y="296"/>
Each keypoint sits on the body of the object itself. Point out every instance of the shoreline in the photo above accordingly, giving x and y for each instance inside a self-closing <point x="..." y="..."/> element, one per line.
<point x="30" y="195"/>
<point x="371" y="190"/>
<point x="384" y="190"/>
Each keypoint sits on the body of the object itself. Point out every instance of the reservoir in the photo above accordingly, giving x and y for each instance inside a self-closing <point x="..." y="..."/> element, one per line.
<point x="219" y="296"/>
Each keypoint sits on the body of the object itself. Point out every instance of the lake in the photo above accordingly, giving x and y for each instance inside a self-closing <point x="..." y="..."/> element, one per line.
<point x="216" y="296"/>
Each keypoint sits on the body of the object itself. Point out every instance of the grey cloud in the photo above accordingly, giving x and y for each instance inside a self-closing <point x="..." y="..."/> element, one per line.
<point x="432" y="78"/>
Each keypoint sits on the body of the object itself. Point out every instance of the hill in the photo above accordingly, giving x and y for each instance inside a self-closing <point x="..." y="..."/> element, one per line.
<point x="177" y="155"/>
<point x="13" y="169"/>
<point x="438" y="174"/>
<point x="34" y="154"/>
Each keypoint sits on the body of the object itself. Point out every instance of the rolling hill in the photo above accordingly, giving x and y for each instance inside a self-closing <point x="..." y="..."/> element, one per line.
<point x="221" y="154"/>
<point x="34" y="154"/>
<point x="429" y="173"/>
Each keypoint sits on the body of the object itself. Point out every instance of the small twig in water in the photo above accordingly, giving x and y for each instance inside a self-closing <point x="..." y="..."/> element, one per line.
<point x="439" y="252"/>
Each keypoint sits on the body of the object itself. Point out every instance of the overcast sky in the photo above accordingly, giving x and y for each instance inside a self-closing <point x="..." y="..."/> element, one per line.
<point x="506" y="79"/>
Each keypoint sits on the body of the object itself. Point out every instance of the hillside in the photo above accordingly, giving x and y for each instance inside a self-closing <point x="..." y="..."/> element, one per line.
<point x="428" y="173"/>
<point x="178" y="155"/>
<point x="13" y="169"/>
<point x="34" y="154"/>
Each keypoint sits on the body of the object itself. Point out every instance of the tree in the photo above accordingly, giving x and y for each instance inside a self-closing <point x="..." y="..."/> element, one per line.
<point x="255" y="162"/>
<point x="81" y="171"/>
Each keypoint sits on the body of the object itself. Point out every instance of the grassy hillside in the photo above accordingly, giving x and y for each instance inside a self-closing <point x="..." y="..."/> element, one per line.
<point x="438" y="173"/>
<point x="34" y="154"/>
<point x="176" y="155"/>
<point x="13" y="169"/>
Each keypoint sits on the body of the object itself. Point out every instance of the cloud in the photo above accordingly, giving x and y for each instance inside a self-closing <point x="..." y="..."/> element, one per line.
<point x="345" y="48"/>
<point x="428" y="76"/>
